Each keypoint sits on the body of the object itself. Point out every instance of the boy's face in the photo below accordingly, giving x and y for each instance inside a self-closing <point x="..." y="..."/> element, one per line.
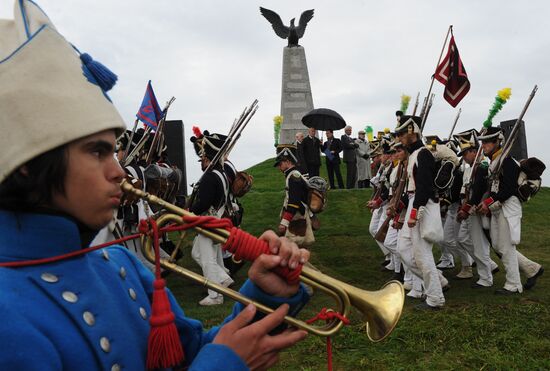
<point x="400" y="154"/>
<point x="92" y="190"/>
<point x="469" y="155"/>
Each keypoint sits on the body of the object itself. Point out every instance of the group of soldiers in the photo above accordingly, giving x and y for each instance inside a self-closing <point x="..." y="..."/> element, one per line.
<point x="451" y="193"/>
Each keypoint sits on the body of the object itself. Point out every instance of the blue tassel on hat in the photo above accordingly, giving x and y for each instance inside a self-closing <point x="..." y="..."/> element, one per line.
<point x="104" y="77"/>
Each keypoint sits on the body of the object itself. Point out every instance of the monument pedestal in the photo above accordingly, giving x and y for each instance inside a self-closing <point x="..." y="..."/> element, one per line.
<point x="296" y="99"/>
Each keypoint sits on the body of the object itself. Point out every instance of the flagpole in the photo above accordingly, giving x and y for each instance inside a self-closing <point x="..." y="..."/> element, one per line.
<point x="450" y="30"/>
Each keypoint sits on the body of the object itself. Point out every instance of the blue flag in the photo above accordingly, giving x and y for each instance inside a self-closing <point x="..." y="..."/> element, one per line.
<point x="149" y="113"/>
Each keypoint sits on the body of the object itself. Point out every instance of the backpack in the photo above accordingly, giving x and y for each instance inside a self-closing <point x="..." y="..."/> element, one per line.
<point x="242" y="184"/>
<point x="448" y="162"/>
<point x="317" y="188"/>
<point x="317" y="194"/>
<point x="529" y="180"/>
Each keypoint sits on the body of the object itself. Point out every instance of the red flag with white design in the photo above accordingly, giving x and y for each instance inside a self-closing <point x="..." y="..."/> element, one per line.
<point x="452" y="74"/>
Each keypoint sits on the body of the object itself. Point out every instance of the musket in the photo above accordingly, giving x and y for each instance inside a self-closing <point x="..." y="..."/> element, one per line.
<point x="398" y="190"/>
<point x="240" y="130"/>
<point x="507" y="147"/>
<point x="127" y="150"/>
<point x="416" y="103"/>
<point x="235" y="128"/>
<point x="137" y="148"/>
<point x="424" y="106"/>
<point x="234" y="133"/>
<point x="427" y="112"/>
<point x="454" y="124"/>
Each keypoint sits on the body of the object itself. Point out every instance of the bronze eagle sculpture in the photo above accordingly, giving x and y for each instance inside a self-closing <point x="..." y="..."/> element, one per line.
<point x="292" y="33"/>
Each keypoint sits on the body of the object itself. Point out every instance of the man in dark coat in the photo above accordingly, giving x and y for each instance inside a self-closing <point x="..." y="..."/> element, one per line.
<point x="301" y="164"/>
<point x="312" y="153"/>
<point x="349" y="146"/>
<point x="332" y="148"/>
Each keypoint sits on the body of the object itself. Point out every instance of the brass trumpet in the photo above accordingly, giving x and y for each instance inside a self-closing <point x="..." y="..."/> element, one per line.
<point x="381" y="309"/>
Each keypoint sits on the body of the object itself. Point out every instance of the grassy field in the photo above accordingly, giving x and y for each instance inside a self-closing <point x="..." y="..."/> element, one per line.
<point x="476" y="330"/>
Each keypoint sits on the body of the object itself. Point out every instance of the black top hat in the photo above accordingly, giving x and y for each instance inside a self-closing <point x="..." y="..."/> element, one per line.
<point x="285" y="152"/>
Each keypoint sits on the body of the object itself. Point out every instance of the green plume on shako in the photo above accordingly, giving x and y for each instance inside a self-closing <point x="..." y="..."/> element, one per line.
<point x="405" y="99"/>
<point x="502" y="97"/>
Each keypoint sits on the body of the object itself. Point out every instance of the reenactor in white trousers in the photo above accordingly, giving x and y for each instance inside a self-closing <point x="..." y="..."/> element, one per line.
<point x="471" y="235"/>
<point x="423" y="226"/>
<point x="505" y="209"/>
<point x="380" y="199"/>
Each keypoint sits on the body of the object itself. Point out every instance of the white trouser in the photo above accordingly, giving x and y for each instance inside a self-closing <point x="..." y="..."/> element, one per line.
<point x="375" y="223"/>
<point x="473" y="240"/>
<point x="446" y="258"/>
<point x="505" y="235"/>
<point x="451" y="229"/>
<point x="209" y="256"/>
<point x="391" y="244"/>
<point x="423" y="264"/>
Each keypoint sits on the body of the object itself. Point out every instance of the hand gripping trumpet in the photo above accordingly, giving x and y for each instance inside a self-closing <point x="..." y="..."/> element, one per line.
<point x="381" y="309"/>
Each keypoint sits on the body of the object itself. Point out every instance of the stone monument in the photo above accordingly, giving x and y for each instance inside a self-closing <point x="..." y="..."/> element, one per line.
<point x="296" y="98"/>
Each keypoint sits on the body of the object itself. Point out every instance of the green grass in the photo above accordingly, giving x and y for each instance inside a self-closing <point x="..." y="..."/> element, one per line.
<point x="476" y="329"/>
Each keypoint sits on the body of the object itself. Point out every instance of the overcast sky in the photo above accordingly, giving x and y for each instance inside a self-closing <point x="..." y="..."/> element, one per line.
<point x="216" y="57"/>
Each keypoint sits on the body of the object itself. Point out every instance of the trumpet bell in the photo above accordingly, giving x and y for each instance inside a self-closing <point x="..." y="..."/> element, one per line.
<point x="381" y="309"/>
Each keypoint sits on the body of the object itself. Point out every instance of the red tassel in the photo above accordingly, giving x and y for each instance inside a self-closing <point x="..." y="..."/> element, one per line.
<point x="164" y="348"/>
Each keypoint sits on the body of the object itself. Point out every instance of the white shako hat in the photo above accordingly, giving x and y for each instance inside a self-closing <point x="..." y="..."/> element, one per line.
<point x="50" y="94"/>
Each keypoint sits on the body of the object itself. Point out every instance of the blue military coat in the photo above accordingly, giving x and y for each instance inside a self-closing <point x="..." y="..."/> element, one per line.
<point x="90" y="312"/>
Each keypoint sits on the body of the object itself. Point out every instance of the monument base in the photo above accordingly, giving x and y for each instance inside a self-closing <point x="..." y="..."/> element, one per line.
<point x="296" y="99"/>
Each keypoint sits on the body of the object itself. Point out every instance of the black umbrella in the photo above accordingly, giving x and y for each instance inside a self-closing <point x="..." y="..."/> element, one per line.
<point x="323" y="119"/>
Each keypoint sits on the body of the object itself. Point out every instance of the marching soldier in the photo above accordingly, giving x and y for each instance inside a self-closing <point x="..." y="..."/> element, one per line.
<point x="423" y="226"/>
<point x="505" y="209"/>
<point x="295" y="221"/>
<point x="211" y="198"/>
<point x="411" y="282"/>
<point x="380" y="196"/>
<point x="471" y="236"/>
<point x="64" y="307"/>
<point x="449" y="197"/>
<point x="390" y="242"/>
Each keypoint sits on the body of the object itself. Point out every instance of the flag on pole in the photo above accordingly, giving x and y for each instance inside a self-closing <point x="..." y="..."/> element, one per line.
<point x="149" y="113"/>
<point x="452" y="74"/>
